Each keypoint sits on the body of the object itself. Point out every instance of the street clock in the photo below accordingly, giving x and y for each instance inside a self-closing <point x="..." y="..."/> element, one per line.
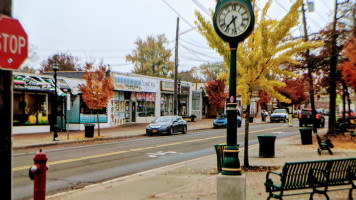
<point x="233" y="20"/>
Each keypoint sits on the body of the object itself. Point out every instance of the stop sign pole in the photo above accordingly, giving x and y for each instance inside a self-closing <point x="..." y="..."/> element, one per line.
<point x="13" y="52"/>
<point x="13" y="44"/>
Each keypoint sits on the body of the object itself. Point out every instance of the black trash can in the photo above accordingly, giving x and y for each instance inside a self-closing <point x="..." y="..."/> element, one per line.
<point x="89" y="130"/>
<point x="306" y="135"/>
<point x="266" y="145"/>
<point x="219" y="148"/>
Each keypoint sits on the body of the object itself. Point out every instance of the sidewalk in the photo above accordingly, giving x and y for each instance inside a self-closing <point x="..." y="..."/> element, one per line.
<point x="124" y="131"/>
<point x="196" y="179"/>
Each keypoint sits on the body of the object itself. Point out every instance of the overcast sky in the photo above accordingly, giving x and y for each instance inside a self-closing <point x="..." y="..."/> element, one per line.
<point x="107" y="29"/>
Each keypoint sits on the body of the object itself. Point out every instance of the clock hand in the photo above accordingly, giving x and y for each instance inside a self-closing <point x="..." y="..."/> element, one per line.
<point x="232" y="21"/>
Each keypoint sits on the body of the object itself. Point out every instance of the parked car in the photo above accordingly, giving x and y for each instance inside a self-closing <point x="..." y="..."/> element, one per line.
<point x="279" y="115"/>
<point x="339" y="116"/>
<point x="326" y="112"/>
<point x="305" y="118"/>
<point x="221" y="121"/>
<point x="167" y="125"/>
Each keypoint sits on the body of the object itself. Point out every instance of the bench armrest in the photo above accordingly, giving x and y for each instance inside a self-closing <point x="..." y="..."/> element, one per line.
<point x="269" y="182"/>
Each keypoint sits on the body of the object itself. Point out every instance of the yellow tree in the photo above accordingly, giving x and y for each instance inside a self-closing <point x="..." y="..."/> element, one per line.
<point x="261" y="55"/>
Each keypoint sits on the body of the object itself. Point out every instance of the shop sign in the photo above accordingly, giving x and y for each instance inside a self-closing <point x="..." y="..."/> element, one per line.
<point x="149" y="85"/>
<point x="167" y="86"/>
<point x="127" y="83"/>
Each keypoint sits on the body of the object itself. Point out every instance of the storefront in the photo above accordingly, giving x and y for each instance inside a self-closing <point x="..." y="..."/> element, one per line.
<point x="32" y="107"/>
<point x="134" y="100"/>
<point x="197" y="103"/>
<point x="167" y="91"/>
<point x="184" y="99"/>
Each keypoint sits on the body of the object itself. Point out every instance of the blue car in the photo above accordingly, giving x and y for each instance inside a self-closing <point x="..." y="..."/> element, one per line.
<point x="221" y="121"/>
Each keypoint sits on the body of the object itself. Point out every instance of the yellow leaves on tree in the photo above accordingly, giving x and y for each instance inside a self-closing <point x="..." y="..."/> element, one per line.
<point x="262" y="54"/>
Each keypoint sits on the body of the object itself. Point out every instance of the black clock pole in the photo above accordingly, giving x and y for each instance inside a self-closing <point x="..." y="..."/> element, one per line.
<point x="231" y="163"/>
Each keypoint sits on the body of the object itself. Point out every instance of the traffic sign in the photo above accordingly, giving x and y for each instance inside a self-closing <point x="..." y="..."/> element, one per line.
<point x="13" y="44"/>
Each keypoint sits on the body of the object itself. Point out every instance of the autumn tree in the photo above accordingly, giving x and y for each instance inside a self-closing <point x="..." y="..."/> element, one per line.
<point x="348" y="68"/>
<point x="66" y="62"/>
<point x="216" y="93"/>
<point x="97" y="90"/>
<point x="27" y="69"/>
<point x="261" y="54"/>
<point x="334" y="36"/>
<point x="263" y="99"/>
<point x="294" y="90"/>
<point x="191" y="75"/>
<point x="211" y="71"/>
<point x="151" y="57"/>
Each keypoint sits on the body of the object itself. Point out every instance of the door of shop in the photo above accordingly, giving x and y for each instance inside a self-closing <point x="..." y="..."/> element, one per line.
<point x="133" y="114"/>
<point x="127" y="111"/>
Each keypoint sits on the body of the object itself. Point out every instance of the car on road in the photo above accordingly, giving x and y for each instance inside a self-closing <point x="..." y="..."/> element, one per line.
<point x="305" y="117"/>
<point x="339" y="116"/>
<point x="279" y="115"/>
<point x="221" y="121"/>
<point x="167" y="125"/>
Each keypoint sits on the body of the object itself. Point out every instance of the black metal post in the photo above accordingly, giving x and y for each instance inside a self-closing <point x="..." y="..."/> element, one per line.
<point x="55" y="128"/>
<point x="231" y="164"/>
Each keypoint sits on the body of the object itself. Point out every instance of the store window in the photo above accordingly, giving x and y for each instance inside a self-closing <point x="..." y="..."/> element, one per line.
<point x="196" y="104"/>
<point x="30" y="108"/>
<point x="85" y="110"/>
<point x="145" y="104"/>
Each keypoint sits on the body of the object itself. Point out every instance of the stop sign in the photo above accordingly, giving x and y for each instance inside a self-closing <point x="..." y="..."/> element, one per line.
<point x="13" y="44"/>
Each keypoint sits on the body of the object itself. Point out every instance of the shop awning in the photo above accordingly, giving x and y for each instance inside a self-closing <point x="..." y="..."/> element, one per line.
<point x="74" y="84"/>
<point x="34" y="82"/>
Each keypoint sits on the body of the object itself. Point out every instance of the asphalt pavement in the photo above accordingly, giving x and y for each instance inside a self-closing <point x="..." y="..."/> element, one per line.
<point x="193" y="179"/>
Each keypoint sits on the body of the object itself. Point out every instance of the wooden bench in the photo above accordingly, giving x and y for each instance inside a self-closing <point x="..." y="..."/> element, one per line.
<point x="324" y="145"/>
<point x="312" y="175"/>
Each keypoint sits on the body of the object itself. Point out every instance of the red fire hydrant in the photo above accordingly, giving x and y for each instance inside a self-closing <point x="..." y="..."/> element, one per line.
<point x="38" y="173"/>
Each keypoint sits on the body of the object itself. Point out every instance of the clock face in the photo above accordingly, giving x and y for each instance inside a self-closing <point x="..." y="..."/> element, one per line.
<point x="233" y="19"/>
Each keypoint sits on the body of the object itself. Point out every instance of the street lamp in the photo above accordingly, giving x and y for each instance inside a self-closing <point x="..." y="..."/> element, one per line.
<point x="55" y="128"/>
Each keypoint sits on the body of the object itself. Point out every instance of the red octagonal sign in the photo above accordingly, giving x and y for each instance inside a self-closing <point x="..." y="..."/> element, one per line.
<point x="13" y="44"/>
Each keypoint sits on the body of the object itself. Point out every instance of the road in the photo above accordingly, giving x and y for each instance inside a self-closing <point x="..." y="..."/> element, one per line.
<point x="76" y="167"/>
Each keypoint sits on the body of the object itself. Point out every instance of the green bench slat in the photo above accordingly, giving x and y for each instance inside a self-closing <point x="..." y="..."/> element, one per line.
<point x="296" y="175"/>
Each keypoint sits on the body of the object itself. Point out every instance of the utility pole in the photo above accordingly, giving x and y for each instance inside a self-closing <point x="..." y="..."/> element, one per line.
<point x="310" y="70"/>
<point x="6" y="118"/>
<point x="142" y="58"/>
<point x="175" y="97"/>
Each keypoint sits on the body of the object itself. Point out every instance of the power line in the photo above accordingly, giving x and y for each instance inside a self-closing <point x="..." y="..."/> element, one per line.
<point x="196" y="45"/>
<point x="201" y="7"/>
<point x="180" y="16"/>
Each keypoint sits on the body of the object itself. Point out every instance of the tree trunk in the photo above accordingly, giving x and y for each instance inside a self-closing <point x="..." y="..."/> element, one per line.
<point x="97" y="119"/>
<point x="311" y="92"/>
<point x="247" y="124"/>
<point x="332" y="89"/>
